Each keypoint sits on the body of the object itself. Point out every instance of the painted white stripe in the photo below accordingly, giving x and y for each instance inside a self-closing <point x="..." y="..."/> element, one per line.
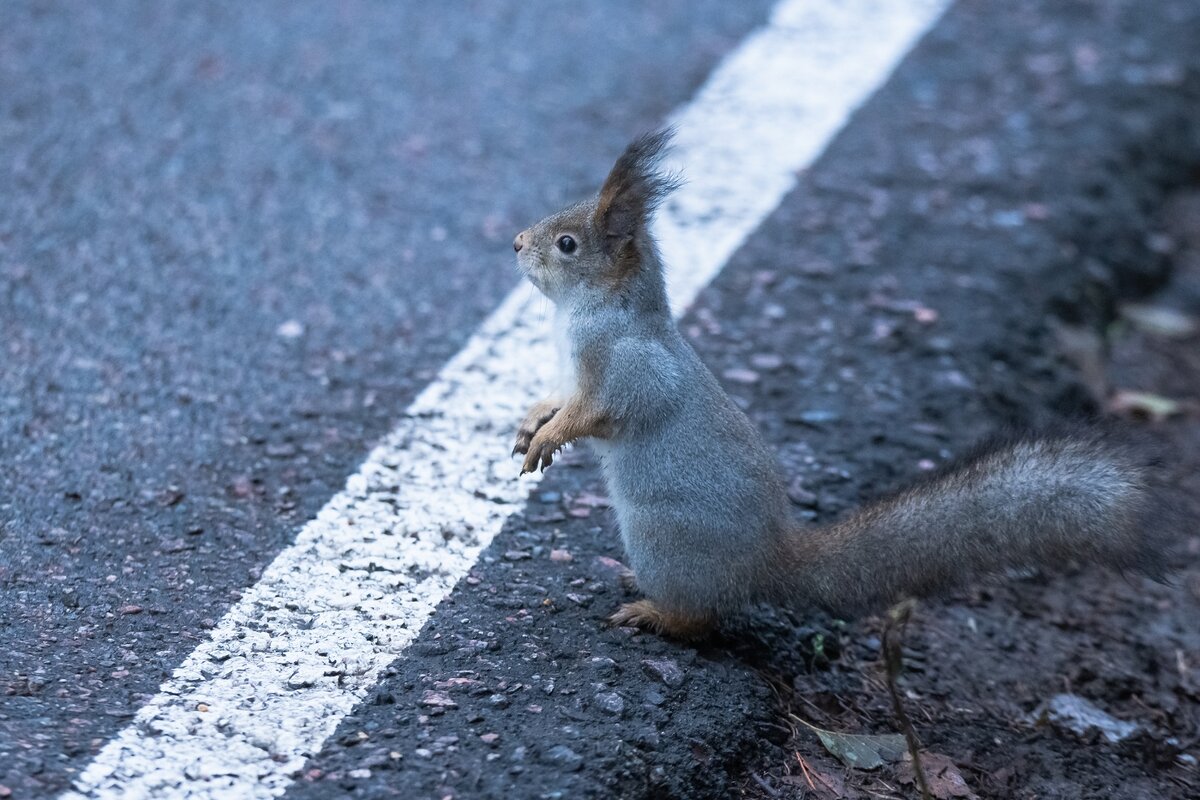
<point x="304" y="645"/>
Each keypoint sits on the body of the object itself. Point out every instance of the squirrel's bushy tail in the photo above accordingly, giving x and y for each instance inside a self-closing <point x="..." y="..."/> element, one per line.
<point x="1035" y="501"/>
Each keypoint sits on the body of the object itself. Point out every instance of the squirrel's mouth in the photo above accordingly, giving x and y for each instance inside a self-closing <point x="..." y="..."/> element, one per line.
<point x="530" y="271"/>
<point x="536" y="274"/>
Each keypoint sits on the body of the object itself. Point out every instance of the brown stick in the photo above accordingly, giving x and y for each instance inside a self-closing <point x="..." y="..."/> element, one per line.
<point x="893" y="638"/>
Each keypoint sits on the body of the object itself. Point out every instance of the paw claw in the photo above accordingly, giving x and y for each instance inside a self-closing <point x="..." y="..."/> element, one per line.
<point x="538" y="416"/>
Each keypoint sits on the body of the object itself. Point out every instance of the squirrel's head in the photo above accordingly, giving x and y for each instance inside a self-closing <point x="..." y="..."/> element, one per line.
<point x="603" y="243"/>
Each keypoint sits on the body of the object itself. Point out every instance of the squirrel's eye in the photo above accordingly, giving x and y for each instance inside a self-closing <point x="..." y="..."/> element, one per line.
<point x="566" y="244"/>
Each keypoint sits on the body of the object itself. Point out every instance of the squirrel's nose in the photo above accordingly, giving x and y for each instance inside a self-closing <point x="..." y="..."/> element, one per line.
<point x="519" y="242"/>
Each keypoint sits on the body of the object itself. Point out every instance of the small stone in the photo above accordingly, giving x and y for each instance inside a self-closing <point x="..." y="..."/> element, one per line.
<point x="498" y="701"/>
<point x="1036" y="211"/>
<point x="359" y="774"/>
<point x="421" y="752"/>
<point x="584" y="600"/>
<point x="665" y="669"/>
<point x="611" y="566"/>
<point x="603" y="665"/>
<point x="925" y="316"/>
<point x="130" y="609"/>
<point x="767" y="361"/>
<point x="302" y="679"/>
<point x="515" y="555"/>
<point x="561" y="555"/>
<point x="281" y="450"/>
<point x="647" y="739"/>
<point x="591" y="500"/>
<point x="815" y="417"/>
<point x="437" y="699"/>
<point x="202" y="707"/>
<point x="611" y="702"/>
<point x="489" y="738"/>
<point x="1083" y="717"/>
<point x="562" y="756"/>
<point x="741" y="375"/>
<point x="292" y="329"/>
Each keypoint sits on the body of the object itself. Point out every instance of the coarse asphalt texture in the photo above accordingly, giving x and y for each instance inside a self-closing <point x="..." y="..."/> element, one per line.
<point x="239" y="240"/>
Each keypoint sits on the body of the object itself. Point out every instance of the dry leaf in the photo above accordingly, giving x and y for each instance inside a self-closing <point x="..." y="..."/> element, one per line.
<point x="862" y="751"/>
<point x="1160" y="320"/>
<point x="945" y="781"/>
<point x="1144" y="404"/>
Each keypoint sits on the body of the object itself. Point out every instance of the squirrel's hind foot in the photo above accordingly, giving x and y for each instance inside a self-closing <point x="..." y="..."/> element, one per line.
<point x="645" y="614"/>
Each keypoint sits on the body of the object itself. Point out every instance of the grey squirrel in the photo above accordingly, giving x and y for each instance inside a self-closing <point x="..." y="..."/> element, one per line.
<point x="702" y="511"/>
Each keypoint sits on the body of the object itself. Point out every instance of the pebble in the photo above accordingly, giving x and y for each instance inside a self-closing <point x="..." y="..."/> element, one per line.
<point x="302" y="679"/>
<point x="291" y="329"/>
<point x="489" y="738"/>
<point x="741" y="375"/>
<point x="359" y="774"/>
<point x="437" y="699"/>
<point x="647" y="739"/>
<point x="1082" y="717"/>
<point x="767" y="361"/>
<point x="603" y="665"/>
<point x="611" y="702"/>
<point x="562" y="756"/>
<point x="665" y="670"/>
<point x="814" y="417"/>
<point x="561" y="555"/>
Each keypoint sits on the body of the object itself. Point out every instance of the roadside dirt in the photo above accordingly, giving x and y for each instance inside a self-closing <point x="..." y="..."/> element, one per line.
<point x="980" y="668"/>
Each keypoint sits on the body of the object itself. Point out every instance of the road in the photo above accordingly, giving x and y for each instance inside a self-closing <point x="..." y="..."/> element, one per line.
<point x="239" y="242"/>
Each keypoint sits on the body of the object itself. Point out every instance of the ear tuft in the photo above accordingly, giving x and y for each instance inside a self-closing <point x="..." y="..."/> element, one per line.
<point x="634" y="189"/>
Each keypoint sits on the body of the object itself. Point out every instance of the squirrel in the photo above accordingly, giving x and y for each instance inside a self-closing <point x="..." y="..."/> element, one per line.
<point x="701" y="509"/>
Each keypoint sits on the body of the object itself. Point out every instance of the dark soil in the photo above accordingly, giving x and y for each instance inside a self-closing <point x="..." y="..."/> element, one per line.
<point x="977" y="669"/>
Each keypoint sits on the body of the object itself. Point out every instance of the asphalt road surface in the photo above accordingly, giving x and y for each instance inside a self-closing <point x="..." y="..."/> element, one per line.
<point x="237" y="242"/>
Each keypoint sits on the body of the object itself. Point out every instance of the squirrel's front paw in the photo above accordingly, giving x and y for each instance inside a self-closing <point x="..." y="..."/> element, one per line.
<point x="538" y="416"/>
<point x="540" y="455"/>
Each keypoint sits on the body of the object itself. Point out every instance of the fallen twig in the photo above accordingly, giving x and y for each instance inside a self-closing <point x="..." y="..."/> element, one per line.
<point x="893" y="639"/>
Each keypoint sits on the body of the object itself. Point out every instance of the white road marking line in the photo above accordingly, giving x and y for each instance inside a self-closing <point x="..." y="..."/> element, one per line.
<point x="305" y="644"/>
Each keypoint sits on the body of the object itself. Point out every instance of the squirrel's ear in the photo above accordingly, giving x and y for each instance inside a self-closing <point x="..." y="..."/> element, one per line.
<point x="633" y="189"/>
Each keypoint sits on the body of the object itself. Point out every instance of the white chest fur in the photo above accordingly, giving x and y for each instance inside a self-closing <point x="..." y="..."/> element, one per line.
<point x="566" y="381"/>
